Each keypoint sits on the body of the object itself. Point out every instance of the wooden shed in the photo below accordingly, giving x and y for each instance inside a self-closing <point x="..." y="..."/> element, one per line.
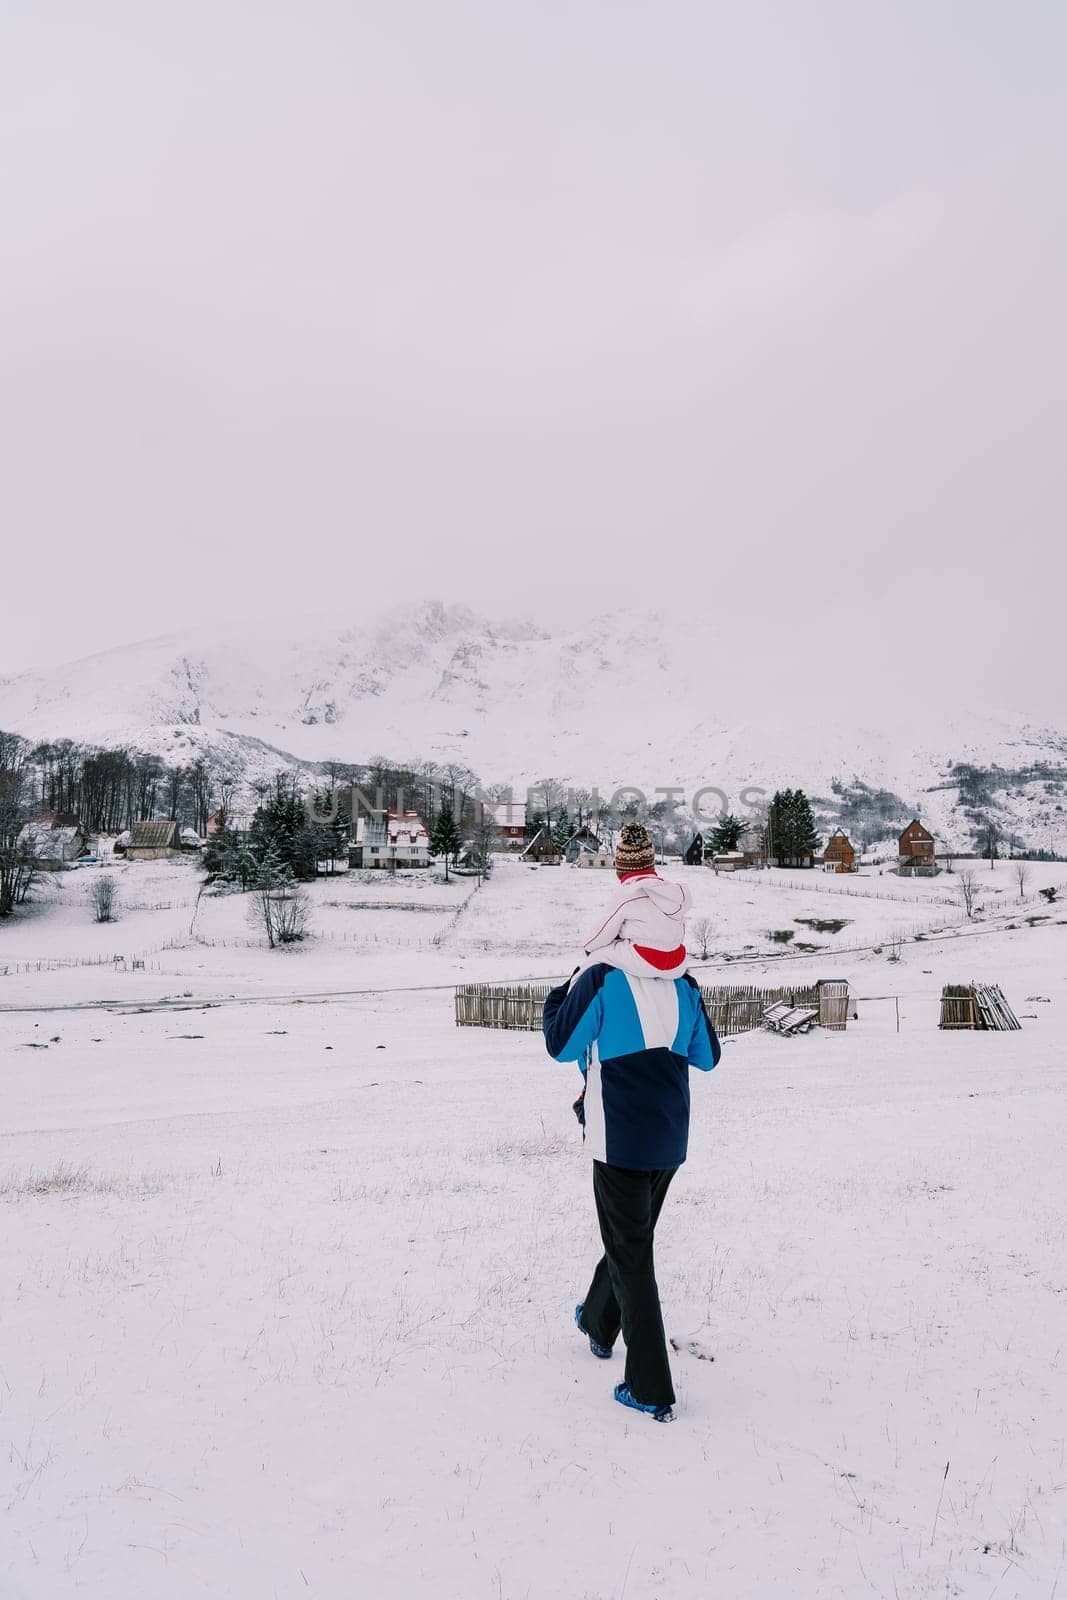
<point x="915" y="852"/>
<point x="542" y="849"/>
<point x="156" y="839"/>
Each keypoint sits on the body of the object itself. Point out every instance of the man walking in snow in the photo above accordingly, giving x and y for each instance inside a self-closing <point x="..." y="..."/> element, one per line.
<point x="635" y="1038"/>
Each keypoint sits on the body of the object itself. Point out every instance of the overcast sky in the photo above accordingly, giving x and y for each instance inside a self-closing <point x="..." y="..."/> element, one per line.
<point x="756" y="308"/>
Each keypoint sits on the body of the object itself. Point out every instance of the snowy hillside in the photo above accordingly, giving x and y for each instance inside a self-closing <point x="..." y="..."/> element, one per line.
<point x="629" y="697"/>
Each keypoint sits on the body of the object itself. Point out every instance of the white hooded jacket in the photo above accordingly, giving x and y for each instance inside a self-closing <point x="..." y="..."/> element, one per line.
<point x="644" y="932"/>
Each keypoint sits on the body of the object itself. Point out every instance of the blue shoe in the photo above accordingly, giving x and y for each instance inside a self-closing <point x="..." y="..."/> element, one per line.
<point x="601" y="1351"/>
<point x="657" y="1413"/>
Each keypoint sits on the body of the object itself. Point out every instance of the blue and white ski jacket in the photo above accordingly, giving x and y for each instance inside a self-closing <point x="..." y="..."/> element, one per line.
<point x="635" y="1039"/>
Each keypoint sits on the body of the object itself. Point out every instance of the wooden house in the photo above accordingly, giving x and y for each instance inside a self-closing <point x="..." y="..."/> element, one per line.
<point x="915" y="852"/>
<point x="582" y="840"/>
<point x="693" y="854"/>
<point x="216" y="821"/>
<point x="542" y="849"/>
<point x="840" y="854"/>
<point x="509" y="824"/>
<point x="154" y="839"/>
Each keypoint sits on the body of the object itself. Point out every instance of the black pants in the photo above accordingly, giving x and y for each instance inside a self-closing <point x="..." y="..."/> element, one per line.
<point x="623" y="1294"/>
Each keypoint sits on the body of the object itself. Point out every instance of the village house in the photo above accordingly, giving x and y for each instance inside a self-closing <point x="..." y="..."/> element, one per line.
<point x="542" y="849"/>
<point x="729" y="861"/>
<point x="915" y="852"/>
<point x="154" y="839"/>
<point x="583" y="842"/>
<point x="509" y="824"/>
<point x="216" y="821"/>
<point x="388" y="840"/>
<point x="55" y="840"/>
<point x="409" y="839"/>
<point x="839" y="855"/>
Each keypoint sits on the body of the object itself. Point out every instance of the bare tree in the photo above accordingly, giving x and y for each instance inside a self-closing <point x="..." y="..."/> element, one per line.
<point x="102" y="897"/>
<point x="484" y="837"/>
<point x="702" y="930"/>
<point x="18" y="867"/>
<point x="967" y="885"/>
<point x="1022" y="877"/>
<point x="279" y="905"/>
<point x="283" y="912"/>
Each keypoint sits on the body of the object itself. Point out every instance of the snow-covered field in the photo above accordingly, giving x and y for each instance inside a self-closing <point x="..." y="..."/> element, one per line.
<point x="289" y="1273"/>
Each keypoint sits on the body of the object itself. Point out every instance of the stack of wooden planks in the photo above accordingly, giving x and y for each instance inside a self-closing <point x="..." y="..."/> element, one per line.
<point x="976" y="1005"/>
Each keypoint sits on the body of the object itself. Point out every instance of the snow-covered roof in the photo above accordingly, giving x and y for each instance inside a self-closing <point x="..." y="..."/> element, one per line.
<point x="372" y="831"/>
<point x="154" y="833"/>
<point x="49" y="841"/>
<point x="407" y="827"/>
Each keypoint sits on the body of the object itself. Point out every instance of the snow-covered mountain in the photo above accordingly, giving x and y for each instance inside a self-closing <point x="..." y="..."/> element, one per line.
<point x="626" y="698"/>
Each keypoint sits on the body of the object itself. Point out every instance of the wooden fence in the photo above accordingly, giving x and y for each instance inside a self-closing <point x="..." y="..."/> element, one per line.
<point x="732" y="1009"/>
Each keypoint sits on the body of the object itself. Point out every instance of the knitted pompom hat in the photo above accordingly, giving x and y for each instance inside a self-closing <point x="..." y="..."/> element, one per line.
<point x="635" y="851"/>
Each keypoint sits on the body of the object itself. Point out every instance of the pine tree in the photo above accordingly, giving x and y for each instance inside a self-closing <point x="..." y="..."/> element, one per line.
<point x="283" y="822"/>
<point x="444" y="838"/>
<point x="791" y="826"/>
<point x="272" y="872"/>
<point x="806" y="834"/>
<point x="726" y="835"/>
<point x="219" y="855"/>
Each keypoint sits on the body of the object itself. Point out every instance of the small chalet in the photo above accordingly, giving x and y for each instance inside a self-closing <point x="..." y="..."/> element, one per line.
<point x="469" y="858"/>
<point x="915" y="853"/>
<point x="693" y="854"/>
<point x="542" y="849"/>
<point x="154" y="839"/>
<point x="601" y="859"/>
<point x="839" y="855"/>
<point x="582" y="842"/>
<point x="509" y="824"/>
<point x="55" y="839"/>
<point x="216" y="821"/>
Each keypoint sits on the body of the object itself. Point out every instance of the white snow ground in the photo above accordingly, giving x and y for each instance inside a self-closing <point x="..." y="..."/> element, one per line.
<point x="289" y="1283"/>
